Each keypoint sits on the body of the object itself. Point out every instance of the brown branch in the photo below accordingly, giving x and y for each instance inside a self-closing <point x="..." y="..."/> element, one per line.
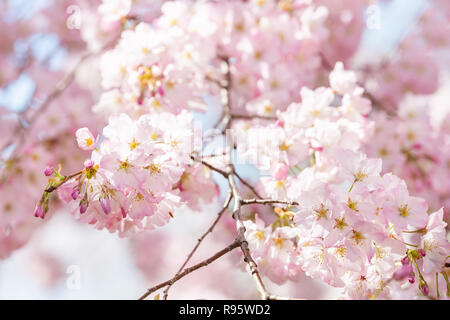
<point x="229" y="173"/>
<point x="210" y="166"/>
<point x="63" y="181"/>
<point x="254" y="116"/>
<point x="199" y="241"/>
<point x="264" y="293"/>
<point x="268" y="201"/>
<point x="248" y="185"/>
<point x="210" y="156"/>
<point x="204" y="263"/>
<point x="241" y="236"/>
<point x="225" y="93"/>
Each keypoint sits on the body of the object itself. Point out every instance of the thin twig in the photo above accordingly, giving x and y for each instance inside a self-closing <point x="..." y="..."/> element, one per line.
<point x="248" y="185"/>
<point x="230" y="170"/>
<point x="199" y="241"/>
<point x="268" y="201"/>
<point x="253" y="116"/>
<point x="210" y="166"/>
<point x="66" y="178"/>
<point x="241" y="236"/>
<point x="229" y="173"/>
<point x="204" y="263"/>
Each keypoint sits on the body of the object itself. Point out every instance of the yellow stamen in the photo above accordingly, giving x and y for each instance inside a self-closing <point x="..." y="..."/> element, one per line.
<point x="340" y="223"/>
<point x="341" y="251"/>
<point x="404" y="211"/>
<point x="321" y="212"/>
<point x="357" y="237"/>
<point x="133" y="144"/>
<point x="352" y="205"/>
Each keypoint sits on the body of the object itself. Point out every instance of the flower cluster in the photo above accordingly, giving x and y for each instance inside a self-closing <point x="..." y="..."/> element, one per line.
<point x="416" y="149"/>
<point x="352" y="225"/>
<point x="171" y="64"/>
<point x="138" y="175"/>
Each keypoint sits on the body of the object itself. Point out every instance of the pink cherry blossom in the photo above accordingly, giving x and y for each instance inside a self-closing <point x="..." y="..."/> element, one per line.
<point x="260" y="118"/>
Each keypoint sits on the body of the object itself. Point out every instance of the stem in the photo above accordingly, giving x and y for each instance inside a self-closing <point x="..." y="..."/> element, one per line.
<point x="199" y="241"/>
<point x="210" y="166"/>
<point x="229" y="173"/>
<point x="444" y="274"/>
<point x="268" y="201"/>
<point x="248" y="185"/>
<point x="437" y="285"/>
<point x="59" y="184"/>
<point x="254" y="116"/>
<point x="204" y="263"/>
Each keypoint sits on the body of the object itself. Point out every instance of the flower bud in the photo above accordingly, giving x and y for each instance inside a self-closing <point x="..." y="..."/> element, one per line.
<point x="403" y="272"/>
<point x="411" y="279"/>
<point x="405" y="261"/>
<point x="424" y="287"/>
<point x="106" y="205"/>
<point x="124" y="213"/>
<point x="39" y="212"/>
<point x="422" y="252"/>
<point x="75" y="193"/>
<point x="48" y="171"/>
<point x="88" y="164"/>
<point x="83" y="205"/>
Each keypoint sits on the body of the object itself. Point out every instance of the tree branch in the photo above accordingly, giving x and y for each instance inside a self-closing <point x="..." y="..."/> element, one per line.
<point x="254" y="116"/>
<point x="199" y="241"/>
<point x="248" y="185"/>
<point x="268" y="201"/>
<point x="210" y="166"/>
<point x="229" y="173"/>
<point x="204" y="263"/>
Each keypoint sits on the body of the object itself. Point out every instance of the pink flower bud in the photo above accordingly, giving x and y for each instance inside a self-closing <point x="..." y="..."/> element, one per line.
<point x="405" y="260"/>
<point x="411" y="279"/>
<point x="106" y="205"/>
<point x="88" y="164"/>
<point x="75" y="193"/>
<point x="48" y="171"/>
<point x="422" y="252"/>
<point x="124" y="213"/>
<point x="417" y="146"/>
<point x="424" y="288"/>
<point x="83" y="206"/>
<point x="403" y="272"/>
<point x="39" y="212"/>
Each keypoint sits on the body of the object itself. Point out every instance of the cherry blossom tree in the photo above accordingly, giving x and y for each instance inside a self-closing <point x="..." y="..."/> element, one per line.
<point x="352" y="159"/>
